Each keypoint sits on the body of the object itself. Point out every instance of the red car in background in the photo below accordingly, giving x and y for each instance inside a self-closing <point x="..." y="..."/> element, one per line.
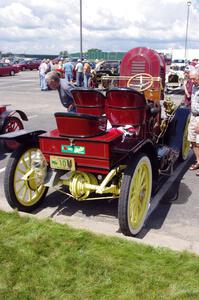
<point x="28" y="65"/>
<point x="7" y="69"/>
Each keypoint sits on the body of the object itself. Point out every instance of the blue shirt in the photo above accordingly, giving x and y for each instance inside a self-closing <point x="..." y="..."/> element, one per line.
<point x="68" y="68"/>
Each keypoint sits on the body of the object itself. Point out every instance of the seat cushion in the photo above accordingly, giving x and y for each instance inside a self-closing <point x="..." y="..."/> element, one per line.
<point x="79" y="125"/>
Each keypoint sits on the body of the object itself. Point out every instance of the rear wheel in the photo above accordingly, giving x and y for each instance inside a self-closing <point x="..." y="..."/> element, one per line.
<point x="11" y="124"/>
<point x="24" y="182"/>
<point x="135" y="195"/>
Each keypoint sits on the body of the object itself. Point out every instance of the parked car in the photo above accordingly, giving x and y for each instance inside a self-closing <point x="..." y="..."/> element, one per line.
<point x="178" y="64"/>
<point x="28" y="65"/>
<point x="174" y="82"/>
<point x="111" y="67"/>
<point x="33" y="64"/>
<point x="8" y="69"/>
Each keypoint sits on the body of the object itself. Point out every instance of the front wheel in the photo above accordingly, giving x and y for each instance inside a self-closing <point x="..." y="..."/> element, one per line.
<point x="135" y="195"/>
<point x="24" y="178"/>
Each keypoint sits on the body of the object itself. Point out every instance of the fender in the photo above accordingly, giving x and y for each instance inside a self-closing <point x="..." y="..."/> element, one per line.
<point x="22" y="136"/>
<point x="10" y="113"/>
<point x="174" y="133"/>
<point x="22" y="115"/>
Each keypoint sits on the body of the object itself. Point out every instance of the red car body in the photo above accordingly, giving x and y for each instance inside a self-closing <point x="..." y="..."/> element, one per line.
<point x="116" y="145"/>
<point x="28" y="65"/>
<point x="7" y="69"/>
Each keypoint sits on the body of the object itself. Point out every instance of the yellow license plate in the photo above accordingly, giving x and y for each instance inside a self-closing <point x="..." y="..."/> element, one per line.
<point x="62" y="163"/>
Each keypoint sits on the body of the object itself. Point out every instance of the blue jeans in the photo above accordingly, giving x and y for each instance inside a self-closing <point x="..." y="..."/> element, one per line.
<point x="79" y="78"/>
<point x="86" y="79"/>
<point x="43" y="84"/>
<point x="69" y="77"/>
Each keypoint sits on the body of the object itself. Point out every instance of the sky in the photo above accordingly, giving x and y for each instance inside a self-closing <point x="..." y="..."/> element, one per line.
<point x="51" y="26"/>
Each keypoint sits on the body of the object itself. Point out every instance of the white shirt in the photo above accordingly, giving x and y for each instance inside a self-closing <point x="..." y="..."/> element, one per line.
<point x="43" y="68"/>
<point x="79" y="67"/>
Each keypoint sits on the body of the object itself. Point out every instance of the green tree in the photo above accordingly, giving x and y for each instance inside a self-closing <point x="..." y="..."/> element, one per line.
<point x="63" y="53"/>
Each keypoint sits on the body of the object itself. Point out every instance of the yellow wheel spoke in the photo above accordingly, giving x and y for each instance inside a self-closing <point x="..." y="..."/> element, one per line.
<point x="19" y="180"/>
<point x="24" y="193"/>
<point x="21" y="188"/>
<point x="30" y="194"/>
<point x="140" y="205"/>
<point x="20" y="171"/>
<point x="24" y="163"/>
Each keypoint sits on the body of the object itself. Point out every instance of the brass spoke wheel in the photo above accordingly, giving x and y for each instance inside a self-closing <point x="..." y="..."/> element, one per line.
<point x="24" y="183"/>
<point x="135" y="195"/>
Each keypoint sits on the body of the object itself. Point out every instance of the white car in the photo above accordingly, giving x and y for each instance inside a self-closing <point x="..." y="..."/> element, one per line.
<point x="178" y="64"/>
<point x="174" y="82"/>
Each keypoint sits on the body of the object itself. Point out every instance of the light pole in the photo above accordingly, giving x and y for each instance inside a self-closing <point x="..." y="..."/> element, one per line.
<point x="187" y="26"/>
<point x="81" y="29"/>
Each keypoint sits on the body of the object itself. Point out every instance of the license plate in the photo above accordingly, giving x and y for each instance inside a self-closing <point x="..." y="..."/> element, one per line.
<point x="62" y="163"/>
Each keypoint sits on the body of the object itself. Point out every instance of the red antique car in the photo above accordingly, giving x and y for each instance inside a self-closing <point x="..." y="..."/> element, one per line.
<point x="117" y="146"/>
<point x="8" y="69"/>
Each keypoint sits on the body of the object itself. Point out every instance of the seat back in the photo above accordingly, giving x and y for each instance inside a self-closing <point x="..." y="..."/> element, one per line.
<point x="79" y="125"/>
<point x="89" y="101"/>
<point x="125" y="106"/>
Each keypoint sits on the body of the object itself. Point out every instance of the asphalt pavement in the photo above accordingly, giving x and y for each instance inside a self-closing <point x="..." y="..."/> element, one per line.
<point x="174" y="223"/>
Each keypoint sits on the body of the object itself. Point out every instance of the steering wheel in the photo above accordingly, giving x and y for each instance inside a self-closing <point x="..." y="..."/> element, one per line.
<point x="140" y="82"/>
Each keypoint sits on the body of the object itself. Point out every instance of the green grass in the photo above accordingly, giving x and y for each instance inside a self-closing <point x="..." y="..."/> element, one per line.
<point x="44" y="260"/>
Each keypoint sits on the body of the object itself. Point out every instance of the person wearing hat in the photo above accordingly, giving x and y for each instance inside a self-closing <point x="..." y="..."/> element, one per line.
<point x="68" y="69"/>
<point x="79" y="72"/>
<point x="43" y="68"/>
<point x="63" y="87"/>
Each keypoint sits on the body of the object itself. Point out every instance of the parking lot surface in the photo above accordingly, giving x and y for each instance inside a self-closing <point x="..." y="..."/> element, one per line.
<point x="173" y="224"/>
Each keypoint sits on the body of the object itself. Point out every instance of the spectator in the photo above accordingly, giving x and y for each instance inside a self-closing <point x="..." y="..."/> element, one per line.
<point x="79" y="73"/>
<point x="59" y="69"/>
<point x="98" y="64"/>
<point x="54" y="82"/>
<point x="188" y="84"/>
<point x="68" y="70"/>
<point x="43" y="68"/>
<point x="87" y="74"/>
<point x="193" y="134"/>
<point x="194" y="62"/>
<point x="93" y="81"/>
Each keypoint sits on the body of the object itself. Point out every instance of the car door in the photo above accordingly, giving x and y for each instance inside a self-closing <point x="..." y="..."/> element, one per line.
<point x="1" y="69"/>
<point x="6" y="69"/>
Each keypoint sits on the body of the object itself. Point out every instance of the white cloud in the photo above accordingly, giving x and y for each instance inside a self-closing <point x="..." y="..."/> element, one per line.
<point x="49" y="26"/>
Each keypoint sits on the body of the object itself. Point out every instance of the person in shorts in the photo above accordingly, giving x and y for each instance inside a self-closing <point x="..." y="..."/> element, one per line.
<point x="193" y="133"/>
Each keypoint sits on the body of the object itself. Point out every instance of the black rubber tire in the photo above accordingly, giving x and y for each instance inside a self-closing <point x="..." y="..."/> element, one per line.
<point x="9" y="181"/>
<point x="123" y="204"/>
<point x="12" y="73"/>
